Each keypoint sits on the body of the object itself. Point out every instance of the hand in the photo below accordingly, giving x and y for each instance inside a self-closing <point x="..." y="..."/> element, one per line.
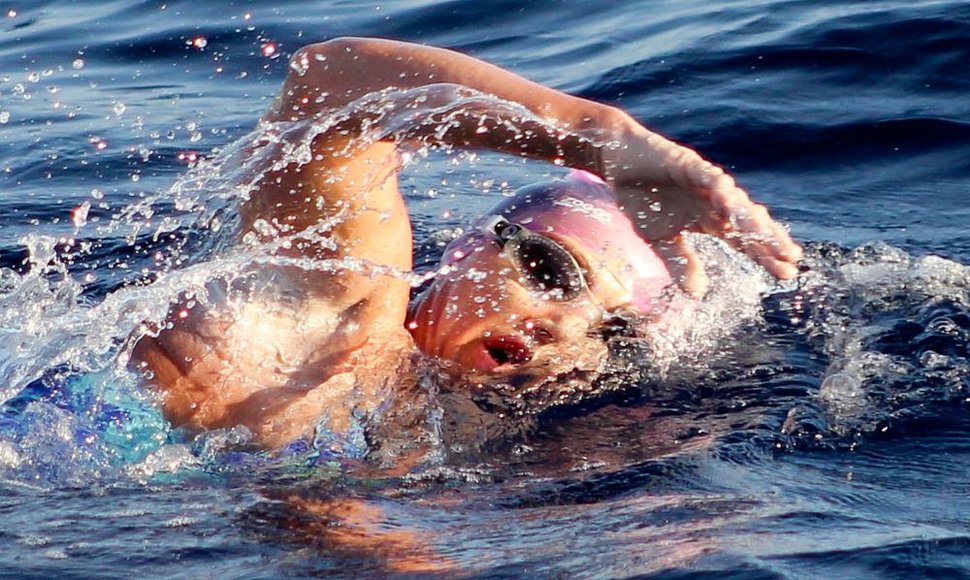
<point x="667" y="189"/>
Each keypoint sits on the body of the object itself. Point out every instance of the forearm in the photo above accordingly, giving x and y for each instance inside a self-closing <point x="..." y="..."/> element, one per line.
<point x="338" y="72"/>
<point x="345" y="69"/>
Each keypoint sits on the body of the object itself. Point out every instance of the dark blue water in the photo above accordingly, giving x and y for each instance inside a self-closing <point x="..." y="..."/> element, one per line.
<point x="827" y="436"/>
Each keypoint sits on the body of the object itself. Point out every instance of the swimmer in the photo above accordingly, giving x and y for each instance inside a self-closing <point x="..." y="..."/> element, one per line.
<point x="521" y="297"/>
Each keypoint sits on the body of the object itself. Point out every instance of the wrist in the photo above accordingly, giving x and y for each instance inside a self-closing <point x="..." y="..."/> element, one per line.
<point x="608" y="133"/>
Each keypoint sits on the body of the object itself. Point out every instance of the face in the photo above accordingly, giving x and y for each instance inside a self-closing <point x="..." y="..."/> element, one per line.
<point x="519" y="307"/>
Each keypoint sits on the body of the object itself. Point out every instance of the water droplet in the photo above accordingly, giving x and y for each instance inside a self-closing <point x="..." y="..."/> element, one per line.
<point x="300" y="65"/>
<point x="78" y="63"/>
<point x="269" y="49"/>
<point x="4" y="117"/>
<point x="80" y="214"/>
<point x="33" y="76"/>
<point x="11" y="13"/>
<point x="199" y="42"/>
<point x="118" y="108"/>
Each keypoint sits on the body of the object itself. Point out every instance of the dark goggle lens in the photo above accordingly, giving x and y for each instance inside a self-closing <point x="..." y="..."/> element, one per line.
<point x="548" y="267"/>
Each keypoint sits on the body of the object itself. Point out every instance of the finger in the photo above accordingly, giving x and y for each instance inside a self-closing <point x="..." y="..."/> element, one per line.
<point x="756" y="221"/>
<point x="779" y="263"/>
<point x="781" y="269"/>
<point x="783" y="246"/>
<point x="685" y="266"/>
<point x="761" y="237"/>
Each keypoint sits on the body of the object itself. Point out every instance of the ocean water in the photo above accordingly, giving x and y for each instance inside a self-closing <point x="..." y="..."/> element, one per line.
<point x="825" y="435"/>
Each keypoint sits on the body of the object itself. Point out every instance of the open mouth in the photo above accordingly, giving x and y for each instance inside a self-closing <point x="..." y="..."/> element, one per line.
<point x="507" y="350"/>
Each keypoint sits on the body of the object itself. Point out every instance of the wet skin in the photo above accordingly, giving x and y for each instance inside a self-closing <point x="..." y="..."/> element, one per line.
<point x="483" y="316"/>
<point x="305" y="344"/>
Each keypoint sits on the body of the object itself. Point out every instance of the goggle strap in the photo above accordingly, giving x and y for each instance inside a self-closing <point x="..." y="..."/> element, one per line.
<point x="504" y="230"/>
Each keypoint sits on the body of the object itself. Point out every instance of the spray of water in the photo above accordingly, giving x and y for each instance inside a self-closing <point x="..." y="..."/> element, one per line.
<point x="64" y="348"/>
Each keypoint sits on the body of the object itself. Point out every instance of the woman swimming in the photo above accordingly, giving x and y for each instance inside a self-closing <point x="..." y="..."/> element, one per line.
<point x="518" y="299"/>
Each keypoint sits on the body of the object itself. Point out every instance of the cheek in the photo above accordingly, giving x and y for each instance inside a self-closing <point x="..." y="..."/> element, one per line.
<point x="461" y="299"/>
<point x="482" y="300"/>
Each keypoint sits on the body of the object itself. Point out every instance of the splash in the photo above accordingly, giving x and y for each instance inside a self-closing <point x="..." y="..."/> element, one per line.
<point x="894" y="330"/>
<point x="70" y="317"/>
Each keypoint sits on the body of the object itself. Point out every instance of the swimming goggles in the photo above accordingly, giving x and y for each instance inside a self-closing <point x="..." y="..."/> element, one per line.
<point x="544" y="265"/>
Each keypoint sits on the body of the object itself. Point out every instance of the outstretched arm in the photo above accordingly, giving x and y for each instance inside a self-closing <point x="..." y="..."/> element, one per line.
<point x="643" y="167"/>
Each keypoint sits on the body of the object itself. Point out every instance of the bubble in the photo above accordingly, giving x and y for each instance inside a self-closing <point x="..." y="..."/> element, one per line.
<point x="268" y="49"/>
<point x="199" y="42"/>
<point x="78" y="63"/>
<point x="4" y="117"/>
<point x="118" y="108"/>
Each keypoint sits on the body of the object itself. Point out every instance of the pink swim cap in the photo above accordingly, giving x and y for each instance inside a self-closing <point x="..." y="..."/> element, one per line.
<point x="582" y="207"/>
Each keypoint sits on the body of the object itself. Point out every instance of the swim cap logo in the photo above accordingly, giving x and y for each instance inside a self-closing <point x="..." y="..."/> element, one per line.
<point x="586" y="208"/>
